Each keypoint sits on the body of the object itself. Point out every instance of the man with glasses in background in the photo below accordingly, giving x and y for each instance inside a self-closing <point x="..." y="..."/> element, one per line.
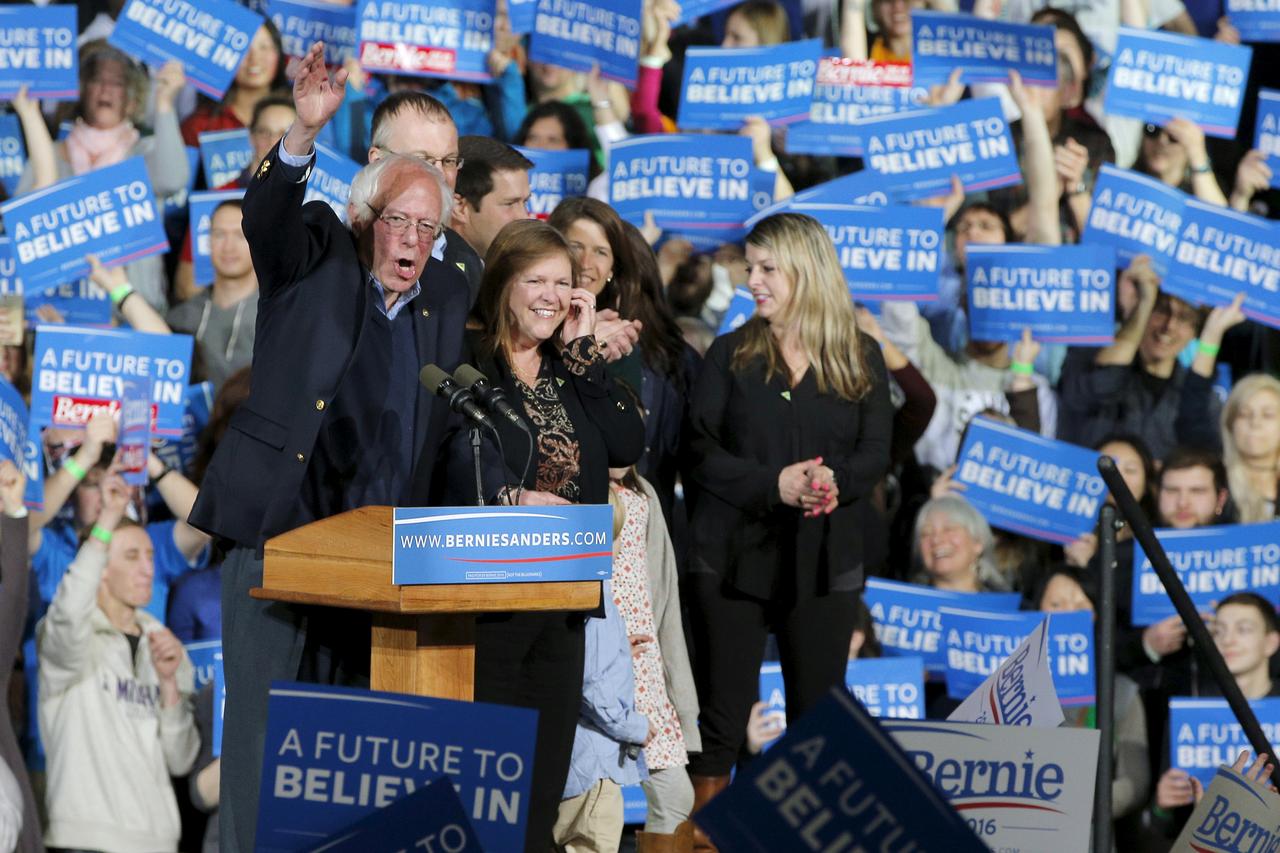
<point x="336" y="418"/>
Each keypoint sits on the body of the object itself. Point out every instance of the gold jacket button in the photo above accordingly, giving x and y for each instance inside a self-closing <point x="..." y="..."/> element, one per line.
<point x="319" y="405"/>
<point x="301" y="458"/>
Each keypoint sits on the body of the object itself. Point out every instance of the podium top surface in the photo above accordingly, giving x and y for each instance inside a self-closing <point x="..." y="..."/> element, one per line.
<point x="345" y="561"/>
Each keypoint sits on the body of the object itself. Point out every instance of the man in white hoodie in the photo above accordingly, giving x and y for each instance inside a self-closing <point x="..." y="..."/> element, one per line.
<point x="115" y="696"/>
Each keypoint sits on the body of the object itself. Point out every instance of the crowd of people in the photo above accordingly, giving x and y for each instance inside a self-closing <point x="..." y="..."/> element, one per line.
<point x="758" y="476"/>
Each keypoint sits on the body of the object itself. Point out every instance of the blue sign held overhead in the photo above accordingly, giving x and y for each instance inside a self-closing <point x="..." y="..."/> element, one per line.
<point x="225" y="154"/>
<point x="429" y="819"/>
<point x="817" y="762"/>
<point x="40" y="52"/>
<point x="891" y="253"/>
<point x="336" y="755"/>
<point x="908" y="622"/>
<point x="180" y="452"/>
<point x="502" y="544"/>
<point x="426" y="39"/>
<point x="555" y="176"/>
<point x="978" y="642"/>
<point x="1204" y="734"/>
<point x="986" y="50"/>
<point x="1266" y="132"/>
<point x="302" y="23"/>
<point x="695" y="9"/>
<point x="76" y="303"/>
<point x="109" y="212"/>
<point x="1212" y="562"/>
<point x="848" y="91"/>
<point x="1222" y="252"/>
<point x="200" y="208"/>
<point x="209" y="38"/>
<point x="723" y="86"/>
<point x="521" y="13"/>
<point x="1064" y="294"/>
<point x="1257" y="20"/>
<point x="80" y="371"/>
<point x="918" y="152"/>
<point x="1029" y="484"/>
<point x="330" y="180"/>
<point x="33" y="468"/>
<point x="1156" y="76"/>
<point x="577" y="34"/>
<point x="13" y="151"/>
<point x="13" y="424"/>
<point x="1136" y="214"/>
<point x="134" y="442"/>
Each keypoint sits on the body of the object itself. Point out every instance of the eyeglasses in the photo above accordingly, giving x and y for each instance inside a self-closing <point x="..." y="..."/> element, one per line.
<point x="400" y="224"/>
<point x="445" y="164"/>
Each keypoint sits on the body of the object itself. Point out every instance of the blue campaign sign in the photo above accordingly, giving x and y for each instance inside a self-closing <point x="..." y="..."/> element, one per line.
<point x="1212" y="562"/>
<point x="209" y="38"/>
<point x="1257" y="20"/>
<point x="335" y="755"/>
<point x="1064" y="294"/>
<point x="426" y="39"/>
<point x="1025" y="483"/>
<point x="76" y="303"/>
<point x="179" y="452"/>
<point x="521" y="13"/>
<point x="39" y="51"/>
<point x="79" y="371"/>
<point x="977" y="643"/>
<point x="986" y="50"/>
<point x="429" y="819"/>
<point x="33" y="467"/>
<point x="577" y="35"/>
<point x="109" y="212"/>
<point x="134" y="441"/>
<point x="205" y="656"/>
<point x="225" y="154"/>
<point x="893" y="808"/>
<point x="556" y="175"/>
<point x="13" y="150"/>
<point x="13" y="423"/>
<point x="689" y="182"/>
<point x="917" y="152"/>
<point x="1266" y="132"/>
<point x="694" y="9"/>
<point x="219" y="703"/>
<point x="502" y="544"/>
<point x="330" y="180"/>
<point x="200" y="208"/>
<point x="302" y="23"/>
<point x="1136" y="214"/>
<point x="1222" y="252"/>
<point x="1156" y="76"/>
<point x="635" y="806"/>
<point x="908" y="622"/>
<point x="846" y="92"/>
<point x="889" y="253"/>
<point x="1204" y="734"/>
<point x="724" y="86"/>
<point x="741" y="307"/>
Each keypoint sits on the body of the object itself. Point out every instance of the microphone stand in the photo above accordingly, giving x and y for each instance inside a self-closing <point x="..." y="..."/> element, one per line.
<point x="475" y="462"/>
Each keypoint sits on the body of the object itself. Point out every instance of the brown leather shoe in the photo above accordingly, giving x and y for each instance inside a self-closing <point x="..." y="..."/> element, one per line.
<point x="704" y="788"/>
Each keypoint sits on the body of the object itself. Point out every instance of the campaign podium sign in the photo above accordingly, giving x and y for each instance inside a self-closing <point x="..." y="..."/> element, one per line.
<point x="1204" y="734"/>
<point x="908" y="622"/>
<point x="917" y="153"/>
<point x="1026" y="483"/>
<point x="424" y="39"/>
<point x="1063" y="294"/>
<point x="724" y="86"/>
<point x="449" y="545"/>
<point x="1038" y="795"/>
<point x="209" y="38"/>
<point x="109" y="212"/>
<point x="1157" y="76"/>
<point x="985" y="50"/>
<point x="430" y="819"/>
<point x="857" y="786"/>
<point x="336" y="755"/>
<point x="1233" y="811"/>
<point x="1212" y="563"/>
<point x="39" y="52"/>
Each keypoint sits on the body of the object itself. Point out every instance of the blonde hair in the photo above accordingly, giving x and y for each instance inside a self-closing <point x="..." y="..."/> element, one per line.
<point x="767" y="18"/>
<point x="819" y="309"/>
<point x="619" y="512"/>
<point x="1251" y="505"/>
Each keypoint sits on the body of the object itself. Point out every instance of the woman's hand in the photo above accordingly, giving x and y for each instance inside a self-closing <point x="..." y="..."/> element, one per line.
<point x="13" y="486"/>
<point x="796" y="483"/>
<point x="763" y="726"/>
<point x="824" y="493"/>
<point x="1174" y="789"/>
<point x="945" y="485"/>
<point x="1253" y="176"/>
<point x="169" y="82"/>
<point x="1189" y="135"/>
<point x="616" y="335"/>
<point x="528" y="497"/>
<point x="1079" y="552"/>
<point x="581" y="321"/>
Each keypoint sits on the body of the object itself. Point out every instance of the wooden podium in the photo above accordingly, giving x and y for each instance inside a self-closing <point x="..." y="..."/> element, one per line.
<point x="423" y="635"/>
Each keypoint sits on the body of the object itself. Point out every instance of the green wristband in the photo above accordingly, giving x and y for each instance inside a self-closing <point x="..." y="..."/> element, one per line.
<point x="74" y="467"/>
<point x="102" y="534"/>
<point x="1208" y="349"/>
<point x="1021" y="368"/>
<point x="118" y="294"/>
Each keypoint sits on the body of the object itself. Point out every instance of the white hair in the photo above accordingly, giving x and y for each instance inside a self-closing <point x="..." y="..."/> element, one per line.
<point x="365" y="193"/>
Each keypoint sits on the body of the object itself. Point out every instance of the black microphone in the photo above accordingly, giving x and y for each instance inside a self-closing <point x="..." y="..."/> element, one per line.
<point x="460" y="399"/>
<point x="490" y="396"/>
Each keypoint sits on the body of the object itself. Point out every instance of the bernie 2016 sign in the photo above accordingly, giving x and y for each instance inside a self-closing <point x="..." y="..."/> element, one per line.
<point x="450" y="40"/>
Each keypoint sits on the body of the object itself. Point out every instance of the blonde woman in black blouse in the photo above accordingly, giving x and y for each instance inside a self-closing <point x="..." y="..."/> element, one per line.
<point x="789" y="431"/>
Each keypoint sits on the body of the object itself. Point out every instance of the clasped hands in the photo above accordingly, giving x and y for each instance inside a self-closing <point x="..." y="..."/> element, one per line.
<point x="809" y="485"/>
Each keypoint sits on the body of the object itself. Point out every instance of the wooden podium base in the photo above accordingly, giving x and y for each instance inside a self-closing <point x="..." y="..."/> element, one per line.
<point x="424" y="655"/>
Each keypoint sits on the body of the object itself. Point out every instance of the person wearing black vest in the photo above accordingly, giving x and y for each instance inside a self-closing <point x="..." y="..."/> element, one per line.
<point x="335" y="418"/>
